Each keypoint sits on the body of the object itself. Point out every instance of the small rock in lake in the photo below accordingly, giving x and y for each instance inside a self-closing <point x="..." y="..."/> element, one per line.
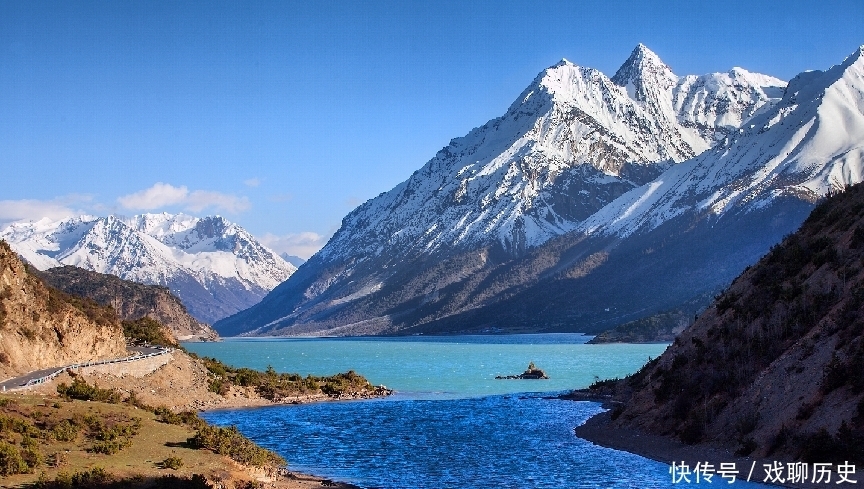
<point x="531" y="373"/>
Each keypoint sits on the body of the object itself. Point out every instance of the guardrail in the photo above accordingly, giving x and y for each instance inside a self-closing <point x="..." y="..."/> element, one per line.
<point x="133" y="358"/>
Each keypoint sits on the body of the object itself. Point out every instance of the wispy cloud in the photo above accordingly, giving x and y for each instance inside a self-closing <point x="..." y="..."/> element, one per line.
<point x="158" y="196"/>
<point x="304" y="244"/>
<point x="33" y="209"/>
<point x="162" y="195"/>
<point x="281" y="198"/>
<point x="252" y="182"/>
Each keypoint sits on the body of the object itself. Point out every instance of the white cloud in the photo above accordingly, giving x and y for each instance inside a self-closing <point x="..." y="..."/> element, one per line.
<point x="252" y="182"/>
<point x="158" y="196"/>
<point x="162" y="195"/>
<point x="304" y="244"/>
<point x="202" y="199"/>
<point x="33" y="210"/>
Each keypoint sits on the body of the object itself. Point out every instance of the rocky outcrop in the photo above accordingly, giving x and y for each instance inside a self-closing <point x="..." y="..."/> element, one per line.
<point x="130" y="300"/>
<point x="43" y="327"/>
<point x="531" y="373"/>
<point x="775" y="367"/>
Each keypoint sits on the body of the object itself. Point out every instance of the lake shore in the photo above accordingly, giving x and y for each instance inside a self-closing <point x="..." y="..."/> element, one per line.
<point x="180" y="383"/>
<point x="600" y="430"/>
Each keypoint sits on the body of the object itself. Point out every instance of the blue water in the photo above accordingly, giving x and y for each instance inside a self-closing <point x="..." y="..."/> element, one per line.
<point x="442" y="366"/>
<point x="451" y="424"/>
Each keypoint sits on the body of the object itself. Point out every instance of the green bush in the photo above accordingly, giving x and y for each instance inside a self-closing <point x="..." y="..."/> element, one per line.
<point x="110" y="447"/>
<point x="32" y="458"/>
<point x="189" y="418"/>
<point x="272" y="385"/>
<point x="65" y="430"/>
<point x="147" y="330"/>
<point x="173" y="463"/>
<point x="111" y="438"/>
<point x="229" y="441"/>
<point x="94" y="476"/>
<point x="11" y="462"/>
<point x="81" y="390"/>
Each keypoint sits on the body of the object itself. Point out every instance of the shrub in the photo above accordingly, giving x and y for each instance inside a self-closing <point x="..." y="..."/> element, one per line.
<point x="147" y="330"/>
<point x="94" y="476"/>
<point x="110" y="447"/>
<point x="32" y="458"/>
<point x="113" y="436"/>
<point x="81" y="390"/>
<point x="172" y="462"/>
<point x="65" y="430"/>
<point x="190" y="418"/>
<point x="11" y="462"/>
<point x="229" y="441"/>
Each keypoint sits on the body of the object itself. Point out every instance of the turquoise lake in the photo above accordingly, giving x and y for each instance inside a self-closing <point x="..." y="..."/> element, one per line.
<point x="450" y="422"/>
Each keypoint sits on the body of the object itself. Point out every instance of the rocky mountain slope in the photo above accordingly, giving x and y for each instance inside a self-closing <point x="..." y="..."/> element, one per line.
<point x="130" y="300"/>
<point x="572" y="142"/>
<point x="689" y="232"/>
<point x="41" y="327"/>
<point x="591" y="202"/>
<point x="774" y="366"/>
<point x="214" y="266"/>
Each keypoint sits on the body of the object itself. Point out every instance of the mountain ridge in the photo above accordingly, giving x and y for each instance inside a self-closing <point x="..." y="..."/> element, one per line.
<point x="214" y="266"/>
<point x="572" y="143"/>
<point x="130" y="300"/>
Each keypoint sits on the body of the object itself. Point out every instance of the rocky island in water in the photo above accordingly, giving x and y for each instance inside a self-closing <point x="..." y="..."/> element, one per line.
<point x="532" y="372"/>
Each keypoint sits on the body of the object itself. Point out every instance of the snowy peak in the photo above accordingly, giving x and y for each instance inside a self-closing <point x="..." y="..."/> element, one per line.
<point x="643" y="73"/>
<point x="802" y="147"/>
<point x="571" y="142"/>
<point x="717" y="104"/>
<point x="210" y="261"/>
<point x="856" y="57"/>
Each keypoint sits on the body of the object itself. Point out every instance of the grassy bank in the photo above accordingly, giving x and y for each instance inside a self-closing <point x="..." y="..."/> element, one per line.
<point x="79" y="441"/>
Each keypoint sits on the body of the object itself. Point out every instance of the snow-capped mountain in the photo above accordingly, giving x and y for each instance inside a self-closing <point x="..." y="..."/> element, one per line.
<point x="571" y="143"/>
<point x="808" y="144"/>
<point x="216" y="267"/>
<point x="676" y="241"/>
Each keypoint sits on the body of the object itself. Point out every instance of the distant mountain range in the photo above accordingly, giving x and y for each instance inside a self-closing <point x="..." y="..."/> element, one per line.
<point x="292" y="259"/>
<point x="591" y="202"/>
<point x="214" y="266"/>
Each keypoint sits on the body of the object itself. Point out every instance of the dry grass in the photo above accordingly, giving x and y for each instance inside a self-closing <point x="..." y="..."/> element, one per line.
<point x="154" y="443"/>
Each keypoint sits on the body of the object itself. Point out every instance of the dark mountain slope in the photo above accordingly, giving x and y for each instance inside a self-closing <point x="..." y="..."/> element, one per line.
<point x="129" y="299"/>
<point x="775" y="366"/>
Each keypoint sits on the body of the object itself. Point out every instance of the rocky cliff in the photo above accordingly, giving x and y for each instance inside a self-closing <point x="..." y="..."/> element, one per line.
<point x="130" y="300"/>
<point x="42" y="327"/>
<point x="775" y="366"/>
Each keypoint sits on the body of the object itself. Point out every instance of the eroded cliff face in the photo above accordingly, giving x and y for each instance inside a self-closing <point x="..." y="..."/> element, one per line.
<point x="775" y="367"/>
<point x="130" y="300"/>
<point x="42" y="327"/>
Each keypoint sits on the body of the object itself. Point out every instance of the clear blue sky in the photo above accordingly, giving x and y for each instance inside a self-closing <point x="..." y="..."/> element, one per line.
<point x="283" y="116"/>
